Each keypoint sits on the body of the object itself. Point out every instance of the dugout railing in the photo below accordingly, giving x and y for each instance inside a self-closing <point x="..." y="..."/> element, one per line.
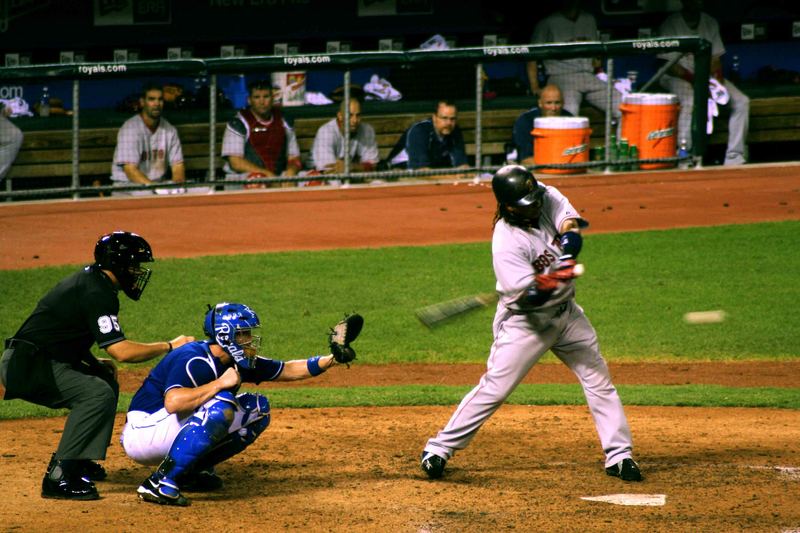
<point x="475" y="58"/>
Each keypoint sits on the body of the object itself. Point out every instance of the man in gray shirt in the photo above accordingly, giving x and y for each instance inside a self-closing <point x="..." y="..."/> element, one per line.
<point x="148" y="148"/>
<point x="327" y="151"/>
<point x="576" y="77"/>
<point x="10" y="142"/>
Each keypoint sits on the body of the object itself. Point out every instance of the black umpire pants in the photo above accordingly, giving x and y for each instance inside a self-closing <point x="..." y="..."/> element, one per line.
<point x="88" y="392"/>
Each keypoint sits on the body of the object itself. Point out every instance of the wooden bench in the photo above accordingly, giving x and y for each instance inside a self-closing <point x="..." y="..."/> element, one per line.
<point x="48" y="154"/>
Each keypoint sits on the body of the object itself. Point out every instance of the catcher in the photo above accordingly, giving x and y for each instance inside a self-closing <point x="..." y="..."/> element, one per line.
<point x="187" y="414"/>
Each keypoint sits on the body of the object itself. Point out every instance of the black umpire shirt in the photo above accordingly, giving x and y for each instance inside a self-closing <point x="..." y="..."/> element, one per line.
<point x="81" y="310"/>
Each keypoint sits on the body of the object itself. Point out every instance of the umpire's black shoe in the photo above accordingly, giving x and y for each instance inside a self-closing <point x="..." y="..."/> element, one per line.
<point x="627" y="470"/>
<point x="432" y="464"/>
<point x="92" y="471"/>
<point x="67" y="484"/>
<point x="86" y="467"/>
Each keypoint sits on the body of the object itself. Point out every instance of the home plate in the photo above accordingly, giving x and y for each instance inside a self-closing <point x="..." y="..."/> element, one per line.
<point x="652" y="500"/>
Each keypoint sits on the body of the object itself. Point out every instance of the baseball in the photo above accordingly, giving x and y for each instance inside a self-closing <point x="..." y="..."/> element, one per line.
<point x="705" y="317"/>
<point x="579" y="270"/>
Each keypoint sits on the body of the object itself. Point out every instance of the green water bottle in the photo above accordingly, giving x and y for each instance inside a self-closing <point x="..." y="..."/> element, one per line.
<point x="634" y="157"/>
<point x="622" y="154"/>
<point x="613" y="149"/>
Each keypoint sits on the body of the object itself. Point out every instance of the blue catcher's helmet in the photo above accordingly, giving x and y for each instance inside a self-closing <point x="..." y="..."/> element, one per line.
<point x="231" y="326"/>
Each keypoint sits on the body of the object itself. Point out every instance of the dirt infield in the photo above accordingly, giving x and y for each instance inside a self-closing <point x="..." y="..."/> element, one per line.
<point x="356" y="469"/>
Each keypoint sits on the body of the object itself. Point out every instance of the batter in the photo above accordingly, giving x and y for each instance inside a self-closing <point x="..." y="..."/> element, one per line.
<point x="534" y="249"/>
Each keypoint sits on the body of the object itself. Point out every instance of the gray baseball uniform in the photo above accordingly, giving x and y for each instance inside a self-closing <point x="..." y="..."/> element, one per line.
<point x="522" y="334"/>
<point x="739" y="121"/>
<point x="151" y="151"/>
<point x="10" y="142"/>
<point x="575" y="77"/>
<point x="329" y="145"/>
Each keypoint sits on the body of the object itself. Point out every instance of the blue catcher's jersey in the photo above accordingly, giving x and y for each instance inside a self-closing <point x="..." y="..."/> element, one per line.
<point x="192" y="365"/>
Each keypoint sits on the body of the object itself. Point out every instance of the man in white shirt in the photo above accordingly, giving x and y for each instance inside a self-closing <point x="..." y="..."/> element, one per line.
<point x="576" y="77"/>
<point x="691" y="21"/>
<point x="327" y="151"/>
<point x="148" y="147"/>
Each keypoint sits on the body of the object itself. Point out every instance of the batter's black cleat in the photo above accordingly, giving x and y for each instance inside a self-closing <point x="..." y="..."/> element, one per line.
<point x="64" y="481"/>
<point x="161" y="492"/>
<point x="626" y="470"/>
<point x="432" y="464"/>
<point x="201" y="481"/>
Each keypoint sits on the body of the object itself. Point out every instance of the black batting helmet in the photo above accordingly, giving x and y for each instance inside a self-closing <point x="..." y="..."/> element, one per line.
<point x="122" y="253"/>
<point x="515" y="185"/>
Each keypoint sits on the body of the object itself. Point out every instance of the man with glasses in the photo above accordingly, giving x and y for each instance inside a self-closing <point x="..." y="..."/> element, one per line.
<point x="432" y="143"/>
<point x="535" y="245"/>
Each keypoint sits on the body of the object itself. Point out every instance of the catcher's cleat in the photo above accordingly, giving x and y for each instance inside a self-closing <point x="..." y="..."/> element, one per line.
<point x="432" y="464"/>
<point x="161" y="492"/>
<point x="626" y="470"/>
<point x="67" y="484"/>
<point x="201" y="481"/>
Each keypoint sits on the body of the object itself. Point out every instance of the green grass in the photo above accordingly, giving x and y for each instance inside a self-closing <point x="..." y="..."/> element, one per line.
<point x="653" y="395"/>
<point x="636" y="290"/>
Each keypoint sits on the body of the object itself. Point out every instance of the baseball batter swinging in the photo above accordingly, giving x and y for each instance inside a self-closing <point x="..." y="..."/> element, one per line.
<point x="534" y="248"/>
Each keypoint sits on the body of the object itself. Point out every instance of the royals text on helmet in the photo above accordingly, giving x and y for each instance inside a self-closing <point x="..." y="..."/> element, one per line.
<point x="231" y="326"/>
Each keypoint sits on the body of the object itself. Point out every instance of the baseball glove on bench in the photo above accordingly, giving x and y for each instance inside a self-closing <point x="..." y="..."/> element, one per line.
<point x="342" y="334"/>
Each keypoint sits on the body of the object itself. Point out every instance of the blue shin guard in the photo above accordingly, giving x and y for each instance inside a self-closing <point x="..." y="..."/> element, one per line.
<point x="255" y="421"/>
<point x="201" y="434"/>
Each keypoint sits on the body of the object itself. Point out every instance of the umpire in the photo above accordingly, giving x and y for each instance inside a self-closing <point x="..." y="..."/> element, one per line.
<point x="48" y="361"/>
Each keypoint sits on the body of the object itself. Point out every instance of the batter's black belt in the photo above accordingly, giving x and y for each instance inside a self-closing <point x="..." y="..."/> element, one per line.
<point x="553" y="312"/>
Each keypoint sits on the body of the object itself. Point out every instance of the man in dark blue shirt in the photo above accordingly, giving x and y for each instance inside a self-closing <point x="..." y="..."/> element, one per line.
<point x="188" y="415"/>
<point x="550" y="104"/>
<point x="436" y="142"/>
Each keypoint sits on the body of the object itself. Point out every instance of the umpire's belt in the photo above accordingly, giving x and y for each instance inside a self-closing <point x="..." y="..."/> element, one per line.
<point x="20" y="343"/>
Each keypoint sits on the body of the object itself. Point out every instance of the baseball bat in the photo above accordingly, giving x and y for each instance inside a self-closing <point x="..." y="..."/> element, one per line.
<point x="434" y="315"/>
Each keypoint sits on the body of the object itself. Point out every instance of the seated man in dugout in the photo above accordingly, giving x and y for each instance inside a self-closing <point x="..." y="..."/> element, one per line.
<point x="550" y="104"/>
<point x="432" y="143"/>
<point x="258" y="142"/>
<point x="148" y="148"/>
<point x="327" y="152"/>
<point x="679" y="79"/>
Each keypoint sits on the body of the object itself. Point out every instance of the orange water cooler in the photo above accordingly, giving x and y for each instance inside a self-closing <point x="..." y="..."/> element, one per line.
<point x="650" y="122"/>
<point x="559" y="140"/>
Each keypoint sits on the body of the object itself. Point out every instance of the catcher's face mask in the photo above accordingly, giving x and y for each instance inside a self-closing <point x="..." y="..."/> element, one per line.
<point x="249" y="342"/>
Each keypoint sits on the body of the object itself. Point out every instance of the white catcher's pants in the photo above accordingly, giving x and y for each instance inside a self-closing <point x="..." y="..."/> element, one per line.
<point x="147" y="438"/>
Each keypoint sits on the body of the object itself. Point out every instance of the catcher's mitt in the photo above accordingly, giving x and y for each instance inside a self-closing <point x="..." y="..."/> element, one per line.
<point x="342" y="334"/>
